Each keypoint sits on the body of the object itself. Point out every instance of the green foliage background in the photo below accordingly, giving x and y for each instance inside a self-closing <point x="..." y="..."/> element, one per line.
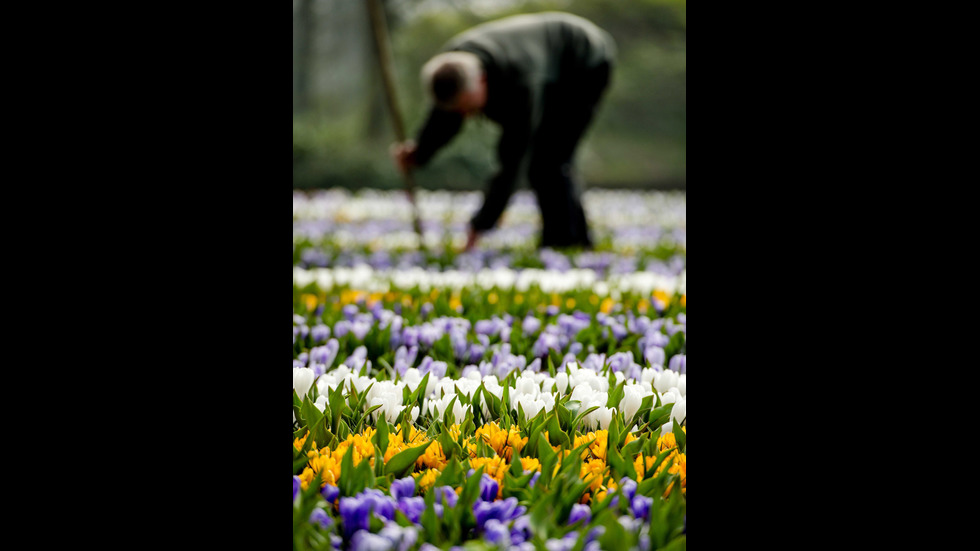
<point x="638" y="139"/>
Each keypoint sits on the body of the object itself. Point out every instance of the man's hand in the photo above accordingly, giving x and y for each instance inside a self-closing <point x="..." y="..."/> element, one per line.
<point x="471" y="238"/>
<point x="404" y="155"/>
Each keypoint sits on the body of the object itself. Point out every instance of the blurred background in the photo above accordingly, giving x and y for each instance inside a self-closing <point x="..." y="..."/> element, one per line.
<point x="342" y="129"/>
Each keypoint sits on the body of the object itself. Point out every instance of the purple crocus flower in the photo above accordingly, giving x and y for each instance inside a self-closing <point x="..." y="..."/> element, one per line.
<point x="448" y="495"/>
<point x="552" y="310"/>
<point x="534" y="479"/>
<point x="341" y="328"/>
<point x="594" y="362"/>
<point x="412" y="507"/>
<point x="320" y="333"/>
<point x="535" y="365"/>
<point x="426" y="309"/>
<point x="628" y="485"/>
<point x="656" y="338"/>
<point x="496" y="533"/>
<point x="330" y="493"/>
<point x="580" y="512"/>
<point x="350" y="311"/>
<point x="634" y="372"/>
<point x="356" y="360"/>
<point x="476" y="352"/>
<point x="620" y="361"/>
<point x="403" y="488"/>
<point x="654" y="355"/>
<point x="530" y="325"/>
<point x="382" y="505"/>
<point x="438" y="369"/>
<point x="396" y="331"/>
<point x="640" y="505"/>
<point x="521" y="530"/>
<point x="325" y="354"/>
<point x="296" y="487"/>
<point x="355" y="514"/>
<point x="503" y="510"/>
<point x="545" y="342"/>
<point x="485" y="327"/>
<point x="678" y="363"/>
<point x="360" y="329"/>
<point x="429" y="334"/>
<point x="410" y="336"/>
<point x="320" y="518"/>
<point x="488" y="488"/>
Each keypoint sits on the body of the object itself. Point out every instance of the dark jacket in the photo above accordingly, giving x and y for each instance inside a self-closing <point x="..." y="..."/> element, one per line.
<point x="528" y="60"/>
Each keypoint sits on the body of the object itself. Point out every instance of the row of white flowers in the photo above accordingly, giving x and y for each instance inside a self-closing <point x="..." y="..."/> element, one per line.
<point x="606" y="208"/>
<point x="366" y="278"/>
<point x="533" y="391"/>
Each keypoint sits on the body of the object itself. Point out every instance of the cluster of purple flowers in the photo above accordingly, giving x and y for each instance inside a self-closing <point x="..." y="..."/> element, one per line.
<point x="603" y="263"/>
<point x="559" y="336"/>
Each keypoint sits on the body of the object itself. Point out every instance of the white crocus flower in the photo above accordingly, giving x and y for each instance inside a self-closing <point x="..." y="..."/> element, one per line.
<point x="302" y="380"/>
<point x="388" y="408"/>
<point x="526" y="385"/>
<point x="664" y="380"/>
<point x="561" y="379"/>
<point x="604" y="416"/>
<point x="412" y="378"/>
<point x="682" y="384"/>
<point x="321" y="402"/>
<point x="632" y="398"/>
<point x="679" y="412"/>
<point x="647" y="375"/>
<point x="530" y="406"/>
<point x="548" y="401"/>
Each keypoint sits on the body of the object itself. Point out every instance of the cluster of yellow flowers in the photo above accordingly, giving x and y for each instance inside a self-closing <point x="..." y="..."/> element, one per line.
<point x="431" y="463"/>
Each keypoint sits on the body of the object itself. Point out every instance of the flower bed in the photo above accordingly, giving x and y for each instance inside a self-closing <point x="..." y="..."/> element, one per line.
<point x="441" y="403"/>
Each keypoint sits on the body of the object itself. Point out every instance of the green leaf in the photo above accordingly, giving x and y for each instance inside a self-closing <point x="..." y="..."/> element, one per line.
<point x="547" y="457"/>
<point x="401" y="463"/>
<point x="346" y="480"/>
<point x="555" y="433"/>
<point x="621" y="466"/>
<point x="515" y="464"/>
<point x="452" y="475"/>
<point x="429" y="521"/>
<point x="578" y="418"/>
<point x="418" y="395"/>
<point x="471" y="489"/>
<point x="449" y="418"/>
<point x="658" y="416"/>
<point x="336" y="401"/>
<point x="381" y="436"/>
<point x="493" y="403"/>
<point x="680" y="436"/>
<point x="449" y="446"/>
<point x="630" y="450"/>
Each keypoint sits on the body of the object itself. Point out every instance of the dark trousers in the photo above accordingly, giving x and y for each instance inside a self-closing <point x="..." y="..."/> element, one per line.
<point x="569" y="109"/>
